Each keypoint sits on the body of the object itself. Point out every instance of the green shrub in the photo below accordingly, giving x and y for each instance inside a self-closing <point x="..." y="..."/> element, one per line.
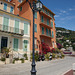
<point x="25" y="55"/>
<point x="57" y="56"/>
<point x="53" y="55"/>
<point x="16" y="59"/>
<point x="46" y="56"/>
<point x="36" y="56"/>
<point x="13" y="61"/>
<point x="63" y="55"/>
<point x="3" y="59"/>
<point x="22" y="60"/>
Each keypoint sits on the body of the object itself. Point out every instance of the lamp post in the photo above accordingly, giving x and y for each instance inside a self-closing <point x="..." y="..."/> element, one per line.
<point x="35" y="6"/>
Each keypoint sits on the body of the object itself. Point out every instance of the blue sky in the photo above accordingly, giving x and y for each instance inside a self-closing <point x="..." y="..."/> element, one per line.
<point x="64" y="10"/>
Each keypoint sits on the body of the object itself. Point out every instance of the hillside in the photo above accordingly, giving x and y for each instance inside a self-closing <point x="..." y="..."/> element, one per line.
<point x="63" y="35"/>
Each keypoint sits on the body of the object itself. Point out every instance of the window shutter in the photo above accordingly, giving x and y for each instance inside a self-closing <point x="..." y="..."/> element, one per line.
<point x="46" y="31"/>
<point x="5" y="6"/>
<point x="35" y="28"/>
<point x="51" y="24"/>
<point x="11" y="10"/>
<point x="36" y="15"/>
<point x="49" y="32"/>
<point x="16" y="26"/>
<point x="5" y="23"/>
<point x="42" y="30"/>
<point x="25" y="28"/>
<point x="52" y="34"/>
<point x="25" y="45"/>
<point x="15" y="44"/>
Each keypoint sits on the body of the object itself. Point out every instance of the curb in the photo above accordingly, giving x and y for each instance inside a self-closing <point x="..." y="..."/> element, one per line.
<point x="66" y="72"/>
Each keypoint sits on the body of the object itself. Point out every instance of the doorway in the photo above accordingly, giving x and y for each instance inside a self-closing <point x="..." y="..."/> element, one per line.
<point x="4" y="42"/>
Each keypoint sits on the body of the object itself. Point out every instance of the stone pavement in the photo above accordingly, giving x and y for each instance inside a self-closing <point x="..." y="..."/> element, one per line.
<point x="54" y="67"/>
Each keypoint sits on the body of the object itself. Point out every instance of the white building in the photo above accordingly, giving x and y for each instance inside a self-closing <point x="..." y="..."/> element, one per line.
<point x="14" y="30"/>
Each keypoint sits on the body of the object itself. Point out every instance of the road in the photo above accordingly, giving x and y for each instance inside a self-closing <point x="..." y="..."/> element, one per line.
<point x="54" y="67"/>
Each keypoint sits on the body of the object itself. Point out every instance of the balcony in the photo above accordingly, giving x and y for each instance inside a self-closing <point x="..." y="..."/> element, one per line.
<point x="46" y="14"/>
<point x="12" y="30"/>
<point x="45" y="24"/>
<point x="46" y="35"/>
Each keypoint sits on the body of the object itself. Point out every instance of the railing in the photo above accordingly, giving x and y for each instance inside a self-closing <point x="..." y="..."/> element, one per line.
<point x="12" y="30"/>
<point x="45" y="23"/>
<point x="46" y="12"/>
<point x="46" y="35"/>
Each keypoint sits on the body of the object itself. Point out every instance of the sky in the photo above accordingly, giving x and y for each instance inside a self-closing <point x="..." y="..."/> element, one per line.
<point x="65" y="12"/>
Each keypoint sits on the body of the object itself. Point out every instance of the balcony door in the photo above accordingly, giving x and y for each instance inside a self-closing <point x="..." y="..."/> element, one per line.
<point x="5" y="24"/>
<point x="4" y="42"/>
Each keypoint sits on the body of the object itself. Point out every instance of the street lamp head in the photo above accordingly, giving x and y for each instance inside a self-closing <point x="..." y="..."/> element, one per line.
<point x="39" y="5"/>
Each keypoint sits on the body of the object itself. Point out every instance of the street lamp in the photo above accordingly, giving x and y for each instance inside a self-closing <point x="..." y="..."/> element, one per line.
<point x="35" y="6"/>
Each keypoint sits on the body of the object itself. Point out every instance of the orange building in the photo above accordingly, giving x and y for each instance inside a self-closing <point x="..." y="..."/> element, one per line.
<point x="44" y="23"/>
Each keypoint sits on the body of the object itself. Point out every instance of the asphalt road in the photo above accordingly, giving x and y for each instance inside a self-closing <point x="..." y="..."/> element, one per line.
<point x="54" y="67"/>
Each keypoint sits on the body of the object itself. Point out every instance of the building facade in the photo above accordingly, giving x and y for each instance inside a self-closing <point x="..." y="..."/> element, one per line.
<point x="44" y="23"/>
<point x="14" y="30"/>
<point x="20" y="15"/>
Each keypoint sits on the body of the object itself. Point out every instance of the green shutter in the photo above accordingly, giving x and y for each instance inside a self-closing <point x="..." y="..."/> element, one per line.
<point x="35" y="28"/>
<point x="25" y="45"/>
<point x="47" y="21"/>
<point x="46" y="31"/>
<point x="16" y="26"/>
<point x="5" y="23"/>
<point x="20" y="8"/>
<point x="51" y="24"/>
<point x="42" y="20"/>
<point x="36" y="15"/>
<point x="15" y="44"/>
<point x="42" y="30"/>
<point x="52" y="34"/>
<point x="49" y="32"/>
<point x="25" y="28"/>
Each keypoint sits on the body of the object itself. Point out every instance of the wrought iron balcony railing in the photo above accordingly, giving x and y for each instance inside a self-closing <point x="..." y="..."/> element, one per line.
<point x="12" y="30"/>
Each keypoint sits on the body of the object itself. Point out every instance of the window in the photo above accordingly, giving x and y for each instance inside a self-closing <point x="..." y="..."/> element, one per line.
<point x="11" y="9"/>
<point x="52" y="34"/>
<point x="20" y="1"/>
<point x="42" y="19"/>
<point x="5" y="6"/>
<point x="46" y="31"/>
<point x="5" y="23"/>
<point x="35" y="28"/>
<point x="42" y="30"/>
<point x="25" y="45"/>
<point x="36" y="15"/>
<point x="15" y="44"/>
<point x="47" y="21"/>
<point x="16" y="26"/>
<point x="21" y="9"/>
<point x="49" y="32"/>
<point x="25" y="28"/>
<point x="51" y="24"/>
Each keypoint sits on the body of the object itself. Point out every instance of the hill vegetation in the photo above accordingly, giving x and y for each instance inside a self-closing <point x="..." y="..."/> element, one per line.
<point x="65" y="37"/>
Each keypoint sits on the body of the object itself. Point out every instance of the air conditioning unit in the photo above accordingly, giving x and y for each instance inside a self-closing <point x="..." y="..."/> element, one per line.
<point x="1" y="2"/>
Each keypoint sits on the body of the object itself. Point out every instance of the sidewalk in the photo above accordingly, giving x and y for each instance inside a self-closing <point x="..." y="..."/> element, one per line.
<point x="69" y="72"/>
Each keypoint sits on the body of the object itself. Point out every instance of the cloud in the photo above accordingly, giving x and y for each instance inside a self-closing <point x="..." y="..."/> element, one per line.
<point x="57" y="16"/>
<point x="70" y="9"/>
<point x="63" y="11"/>
<point x="68" y="18"/>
